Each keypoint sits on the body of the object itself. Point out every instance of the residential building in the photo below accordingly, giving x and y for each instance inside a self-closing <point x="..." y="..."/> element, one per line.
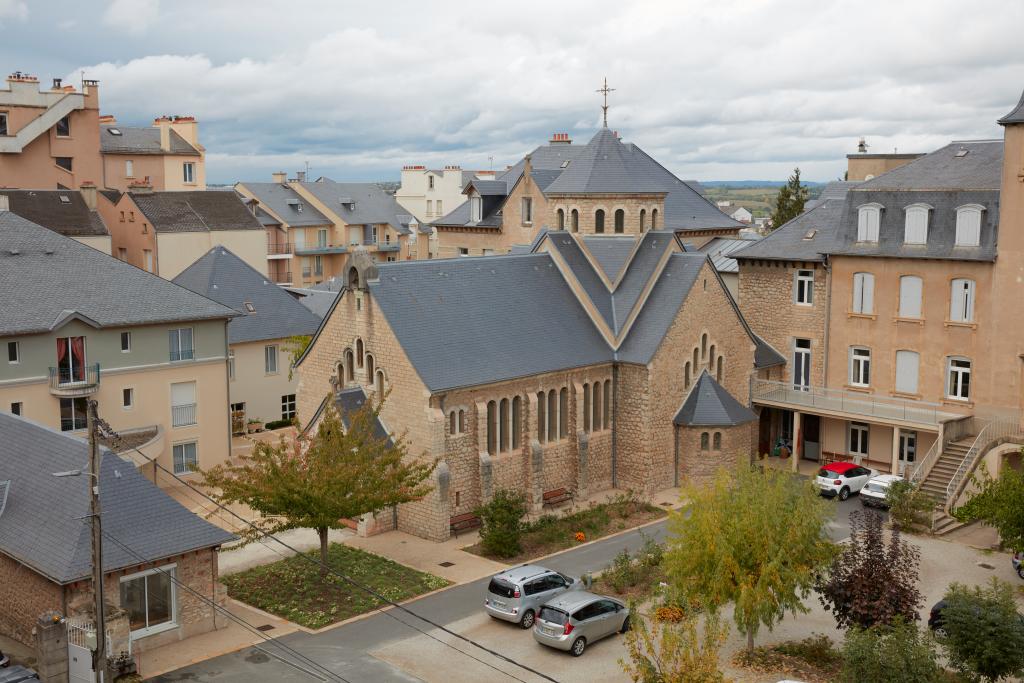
<point x="720" y="250"/>
<point x="429" y="193"/>
<point x="158" y="558"/>
<point x="314" y="228"/>
<point x="261" y="384"/>
<point x="165" y="232"/>
<point x="78" y="324"/>
<point x="49" y="139"/>
<point x="68" y="212"/>
<point x="896" y="305"/>
<point x="605" y="187"/>
<point x="737" y="213"/>
<point x="166" y="156"/>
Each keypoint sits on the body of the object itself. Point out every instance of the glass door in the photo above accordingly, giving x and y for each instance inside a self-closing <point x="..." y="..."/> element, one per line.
<point x="908" y="449"/>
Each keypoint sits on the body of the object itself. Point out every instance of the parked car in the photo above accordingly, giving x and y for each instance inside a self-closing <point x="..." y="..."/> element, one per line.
<point x="4" y="660"/>
<point x="875" y="491"/>
<point x="935" y="620"/>
<point x="1018" y="563"/>
<point x="517" y="594"/>
<point x="843" y="478"/>
<point x="574" y="620"/>
<point x="17" y="674"/>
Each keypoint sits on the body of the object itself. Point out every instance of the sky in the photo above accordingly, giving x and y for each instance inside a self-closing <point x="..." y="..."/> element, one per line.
<point x="715" y="90"/>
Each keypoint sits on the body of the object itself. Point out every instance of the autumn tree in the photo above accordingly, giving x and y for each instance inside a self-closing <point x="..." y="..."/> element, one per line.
<point x="674" y="652"/>
<point x="319" y="480"/>
<point x="789" y="203"/>
<point x="753" y="538"/>
<point x="983" y="634"/>
<point x="999" y="503"/>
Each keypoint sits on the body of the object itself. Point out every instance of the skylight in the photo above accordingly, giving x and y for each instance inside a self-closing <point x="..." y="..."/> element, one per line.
<point x="565" y="164"/>
<point x="114" y="131"/>
<point x="960" y="153"/>
<point x="249" y="307"/>
<point x="809" y="235"/>
<point x="64" y="199"/>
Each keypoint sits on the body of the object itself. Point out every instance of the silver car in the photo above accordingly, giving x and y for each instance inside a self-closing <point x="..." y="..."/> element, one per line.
<point x="517" y="594"/>
<point x="574" y="620"/>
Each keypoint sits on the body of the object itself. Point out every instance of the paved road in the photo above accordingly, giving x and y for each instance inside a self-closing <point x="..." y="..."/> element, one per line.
<point x="344" y="650"/>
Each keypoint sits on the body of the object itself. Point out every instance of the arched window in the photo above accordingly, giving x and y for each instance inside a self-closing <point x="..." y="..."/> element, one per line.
<point x="561" y="219"/>
<point x="370" y="366"/>
<point x="607" y="419"/>
<point x="696" y="363"/>
<point x="654" y="219"/>
<point x="711" y="358"/>
<point x="503" y="425"/>
<point x="353" y="278"/>
<point x="596" y="407"/>
<point x="704" y="441"/>
<point x="686" y="375"/>
<point x="599" y="220"/>
<point x="563" y="413"/>
<point x="380" y="383"/>
<point x="359" y="353"/>
<point x="718" y="369"/>
<point x="350" y="366"/>
<point x="462" y="421"/>
<point x="704" y="345"/>
<point x="643" y="220"/>
<point x="586" y="407"/>
<point x="968" y="225"/>
<point x="869" y="216"/>
<point x="492" y="427"/>
<point x="517" y="421"/>
<point x="542" y="402"/>
<point x="451" y="422"/>
<point x="620" y="220"/>
<point x="716" y="443"/>
<point x="552" y="416"/>
<point x="915" y="227"/>
<point x="575" y="220"/>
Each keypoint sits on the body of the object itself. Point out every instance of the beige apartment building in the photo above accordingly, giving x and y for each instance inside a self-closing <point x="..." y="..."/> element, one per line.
<point x="433" y="193"/>
<point x="895" y="304"/>
<point x="165" y="156"/>
<point x="78" y="325"/>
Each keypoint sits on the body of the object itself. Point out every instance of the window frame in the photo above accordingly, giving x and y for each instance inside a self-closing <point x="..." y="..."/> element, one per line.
<point x="976" y="211"/>
<point x="866" y="231"/>
<point x="65" y="122"/>
<point x="909" y="314"/>
<point x="526" y="210"/>
<point x="176" y="331"/>
<point x="915" y="219"/>
<point x="171" y="571"/>
<point x="127" y="398"/>
<point x="476" y="208"/>
<point x="188" y="173"/>
<point x="966" y="300"/>
<point x="963" y="378"/>
<point x="195" y="456"/>
<point x="863" y="293"/>
<point x="15" y="347"/>
<point x="803" y="287"/>
<point x="860" y="366"/>
<point x="907" y="353"/>
<point x="126" y="342"/>
<point x="599" y="221"/>
<point x="288" y="406"/>
<point x="4" y="124"/>
<point x="863" y="430"/>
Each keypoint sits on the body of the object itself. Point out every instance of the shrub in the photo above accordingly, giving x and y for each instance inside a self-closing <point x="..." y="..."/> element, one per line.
<point x="889" y="654"/>
<point x="817" y="650"/>
<point x="984" y="635"/>
<point x="679" y="652"/>
<point x="909" y="505"/>
<point x="277" y="424"/>
<point x="621" y="573"/>
<point x="501" y="525"/>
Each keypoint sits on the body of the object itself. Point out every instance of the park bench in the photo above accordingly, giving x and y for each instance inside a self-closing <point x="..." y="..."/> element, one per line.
<point x="556" y="497"/>
<point x="463" y="522"/>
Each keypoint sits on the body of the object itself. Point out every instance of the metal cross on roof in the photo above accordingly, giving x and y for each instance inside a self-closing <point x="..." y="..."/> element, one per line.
<point x="604" y="90"/>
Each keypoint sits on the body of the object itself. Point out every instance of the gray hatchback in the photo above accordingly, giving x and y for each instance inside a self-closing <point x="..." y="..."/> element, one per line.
<point x="574" y="620"/>
<point x="516" y="594"/>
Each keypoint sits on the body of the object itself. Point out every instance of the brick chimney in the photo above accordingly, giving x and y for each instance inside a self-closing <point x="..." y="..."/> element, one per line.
<point x="527" y="166"/>
<point x="143" y="186"/>
<point x="279" y="177"/>
<point x="560" y="139"/>
<point x="107" y="120"/>
<point x="88" y="190"/>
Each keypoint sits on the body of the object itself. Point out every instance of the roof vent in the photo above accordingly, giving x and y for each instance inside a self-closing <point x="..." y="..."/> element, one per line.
<point x="962" y="152"/>
<point x="249" y="307"/>
<point x="809" y="235"/>
<point x="13" y="252"/>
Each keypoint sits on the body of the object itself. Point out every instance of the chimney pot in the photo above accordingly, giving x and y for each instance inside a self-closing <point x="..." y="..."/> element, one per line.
<point x="279" y="177"/>
<point x="56" y="83"/>
<point x="5" y="203"/>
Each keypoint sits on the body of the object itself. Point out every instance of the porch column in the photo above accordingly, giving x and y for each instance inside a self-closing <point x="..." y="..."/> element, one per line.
<point x="895" y="450"/>
<point x="798" y="441"/>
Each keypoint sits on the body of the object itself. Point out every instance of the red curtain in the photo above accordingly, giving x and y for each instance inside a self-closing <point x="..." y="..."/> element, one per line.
<point x="78" y="356"/>
<point x="62" y="349"/>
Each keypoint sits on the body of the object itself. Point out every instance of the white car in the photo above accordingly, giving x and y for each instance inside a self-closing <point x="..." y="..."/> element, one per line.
<point x="875" y="491"/>
<point x="843" y="478"/>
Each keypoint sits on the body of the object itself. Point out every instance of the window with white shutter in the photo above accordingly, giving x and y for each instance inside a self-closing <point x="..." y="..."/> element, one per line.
<point x="961" y="301"/>
<point x="868" y="219"/>
<point x="915" y="229"/>
<point x="863" y="293"/>
<point x="968" y="225"/>
<point x="910" y="296"/>
<point x="908" y="366"/>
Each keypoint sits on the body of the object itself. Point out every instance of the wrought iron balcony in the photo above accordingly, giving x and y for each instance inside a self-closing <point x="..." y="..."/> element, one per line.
<point x="280" y="248"/>
<point x="183" y="415"/>
<point x="281" y="277"/>
<point x="70" y="383"/>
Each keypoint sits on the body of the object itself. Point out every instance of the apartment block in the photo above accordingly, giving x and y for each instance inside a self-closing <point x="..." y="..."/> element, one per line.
<point x="165" y="156"/>
<point x="432" y="193"/>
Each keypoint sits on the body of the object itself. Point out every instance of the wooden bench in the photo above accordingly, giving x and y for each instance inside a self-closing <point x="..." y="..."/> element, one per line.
<point x="463" y="522"/>
<point x="556" y="497"/>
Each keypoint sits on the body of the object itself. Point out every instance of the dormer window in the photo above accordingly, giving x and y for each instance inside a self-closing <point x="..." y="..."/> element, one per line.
<point x="249" y="307"/>
<point x="968" y="225"/>
<point x="476" y="209"/>
<point x="868" y="218"/>
<point x="915" y="229"/>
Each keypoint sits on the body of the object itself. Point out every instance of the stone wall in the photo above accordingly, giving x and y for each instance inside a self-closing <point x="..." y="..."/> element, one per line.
<point x="587" y="205"/>
<point x="24" y="595"/>
<point x="698" y="464"/>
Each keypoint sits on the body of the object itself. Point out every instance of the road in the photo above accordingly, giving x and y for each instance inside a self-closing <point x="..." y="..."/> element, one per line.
<point x="345" y="650"/>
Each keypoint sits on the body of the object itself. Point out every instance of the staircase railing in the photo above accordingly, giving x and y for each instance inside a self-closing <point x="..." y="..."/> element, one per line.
<point x="993" y="433"/>
<point x="924" y="465"/>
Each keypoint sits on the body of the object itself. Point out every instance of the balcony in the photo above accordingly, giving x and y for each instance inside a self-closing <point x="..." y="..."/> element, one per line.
<point x="183" y="415"/>
<point x="282" y="277"/>
<point x="320" y="249"/>
<point x="849" y="404"/>
<point x="387" y="246"/>
<point x="68" y="383"/>
<point x="279" y="250"/>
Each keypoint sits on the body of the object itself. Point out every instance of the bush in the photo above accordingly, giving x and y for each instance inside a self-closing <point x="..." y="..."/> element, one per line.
<point x="501" y="525"/>
<point x="909" y="505"/>
<point x="277" y="424"/>
<point x="817" y="650"/>
<point x="889" y="654"/>
<point x="984" y="635"/>
<point x="679" y="652"/>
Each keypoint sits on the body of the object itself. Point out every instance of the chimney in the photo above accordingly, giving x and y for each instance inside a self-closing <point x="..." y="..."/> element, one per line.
<point x="862" y="146"/>
<point x="560" y="139"/>
<point x="279" y="177"/>
<point x="57" y="84"/>
<point x="143" y="186"/>
<point x="164" y="124"/>
<point x="527" y="166"/>
<point x="5" y="203"/>
<point x="88" y="190"/>
<point x="108" y="120"/>
<point x="300" y="176"/>
<point x="187" y="128"/>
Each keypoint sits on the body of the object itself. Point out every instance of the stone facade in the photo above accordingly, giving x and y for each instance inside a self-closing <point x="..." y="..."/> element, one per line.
<point x="24" y="595"/>
<point x="652" y="206"/>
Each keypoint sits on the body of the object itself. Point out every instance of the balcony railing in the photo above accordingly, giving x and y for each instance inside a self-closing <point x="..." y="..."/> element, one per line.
<point x="313" y="249"/>
<point x="78" y="382"/>
<point x="848" y="402"/>
<point x="183" y="415"/>
<point x="278" y="248"/>
<point x="281" y="277"/>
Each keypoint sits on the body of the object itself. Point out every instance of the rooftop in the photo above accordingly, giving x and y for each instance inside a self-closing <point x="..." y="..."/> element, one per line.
<point x="133" y="140"/>
<point x="286" y="204"/>
<point x="195" y="211"/>
<point x="63" y="211"/>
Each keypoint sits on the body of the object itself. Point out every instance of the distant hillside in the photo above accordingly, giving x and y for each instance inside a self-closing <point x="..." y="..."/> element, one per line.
<point x="755" y="195"/>
<point x="754" y="183"/>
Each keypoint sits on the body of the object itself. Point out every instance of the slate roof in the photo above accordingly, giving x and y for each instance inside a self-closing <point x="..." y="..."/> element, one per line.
<point x="47" y="208"/>
<point x="790" y="242"/>
<point x="1015" y="116"/>
<point x="710" y="405"/>
<point x="51" y="278"/>
<point x="979" y="166"/>
<point x="348" y="401"/>
<point x="141" y="141"/>
<point x="836" y="189"/>
<point x="223" y="277"/>
<point x="611" y="253"/>
<point x="195" y="211"/>
<point x="319" y="302"/>
<point x="42" y="526"/>
<point x="720" y="250"/>
<point x="372" y="204"/>
<point x="765" y="355"/>
<point x="275" y="196"/>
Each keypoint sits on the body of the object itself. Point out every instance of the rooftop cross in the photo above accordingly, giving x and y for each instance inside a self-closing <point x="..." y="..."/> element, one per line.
<point x="604" y="90"/>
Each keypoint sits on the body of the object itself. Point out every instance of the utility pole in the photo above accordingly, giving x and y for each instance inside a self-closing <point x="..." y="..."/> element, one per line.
<point x="99" y="655"/>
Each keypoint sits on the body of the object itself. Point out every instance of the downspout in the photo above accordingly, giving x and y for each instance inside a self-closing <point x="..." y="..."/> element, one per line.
<point x="615" y="420"/>
<point x="227" y="380"/>
<point x="828" y="320"/>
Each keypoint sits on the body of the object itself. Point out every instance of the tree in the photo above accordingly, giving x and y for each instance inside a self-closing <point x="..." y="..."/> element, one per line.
<point x="984" y="635"/>
<point x="872" y="582"/>
<point x="900" y="653"/>
<point x="674" y="652"/>
<point x="751" y="537"/>
<point x="1000" y="504"/>
<point x="501" y="523"/>
<point x="295" y="346"/>
<point x="909" y="504"/>
<point x="789" y="203"/>
<point x="317" y="481"/>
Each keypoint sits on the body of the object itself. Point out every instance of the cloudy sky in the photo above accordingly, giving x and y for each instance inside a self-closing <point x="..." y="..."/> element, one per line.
<point x="716" y="90"/>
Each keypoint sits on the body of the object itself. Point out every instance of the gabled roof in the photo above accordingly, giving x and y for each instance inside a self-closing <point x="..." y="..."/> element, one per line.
<point x="364" y="204"/>
<point x="223" y="277"/>
<point x="318" y="301"/>
<point x="611" y="253"/>
<point x="141" y="141"/>
<point x="45" y="526"/>
<point x="286" y="204"/>
<point x="710" y="405"/>
<point x="765" y="355"/>
<point x="63" y="211"/>
<point x="808" y="237"/>
<point x="45" y="278"/>
<point x="348" y="401"/>
<point x="1015" y="116"/>
<point x="196" y="211"/>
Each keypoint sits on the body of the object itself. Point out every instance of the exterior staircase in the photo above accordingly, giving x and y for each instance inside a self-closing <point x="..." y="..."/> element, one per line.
<point x="937" y="480"/>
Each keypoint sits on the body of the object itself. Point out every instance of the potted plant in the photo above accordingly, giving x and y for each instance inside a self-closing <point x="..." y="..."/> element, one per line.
<point x="255" y="425"/>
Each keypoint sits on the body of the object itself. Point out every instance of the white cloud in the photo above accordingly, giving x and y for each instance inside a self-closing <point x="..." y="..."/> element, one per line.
<point x="133" y="16"/>
<point x="13" y="9"/>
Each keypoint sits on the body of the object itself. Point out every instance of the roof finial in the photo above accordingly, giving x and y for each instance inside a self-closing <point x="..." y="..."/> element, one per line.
<point x="604" y="91"/>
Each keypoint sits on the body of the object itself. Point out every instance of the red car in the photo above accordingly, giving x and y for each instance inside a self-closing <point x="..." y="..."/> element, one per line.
<point x="842" y="478"/>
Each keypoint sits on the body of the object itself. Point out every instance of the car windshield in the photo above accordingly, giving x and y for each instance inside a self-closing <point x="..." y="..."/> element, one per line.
<point x="499" y="587"/>
<point x="553" y="616"/>
<point x="827" y="474"/>
<point x="875" y="487"/>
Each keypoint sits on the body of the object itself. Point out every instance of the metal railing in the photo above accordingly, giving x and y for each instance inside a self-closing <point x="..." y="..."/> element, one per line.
<point x="924" y="465"/>
<point x="72" y="424"/>
<point x="275" y="248"/>
<point x="183" y="415"/>
<point x="841" y="400"/>
<point x="279" y="277"/>
<point x="994" y="433"/>
<point x="78" y="378"/>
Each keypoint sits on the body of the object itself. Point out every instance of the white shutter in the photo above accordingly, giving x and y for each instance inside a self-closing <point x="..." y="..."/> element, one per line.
<point x="968" y="226"/>
<point x="183" y="393"/>
<point x="863" y="293"/>
<point x="915" y="230"/>
<point x="908" y="365"/>
<point x="961" y="301"/>
<point x="910" y="296"/>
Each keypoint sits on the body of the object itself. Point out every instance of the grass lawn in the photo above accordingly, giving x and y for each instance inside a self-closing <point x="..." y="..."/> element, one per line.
<point x="292" y="588"/>
<point x="551" y="533"/>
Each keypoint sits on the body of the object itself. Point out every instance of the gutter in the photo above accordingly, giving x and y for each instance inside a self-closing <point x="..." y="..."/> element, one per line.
<point x="828" y="319"/>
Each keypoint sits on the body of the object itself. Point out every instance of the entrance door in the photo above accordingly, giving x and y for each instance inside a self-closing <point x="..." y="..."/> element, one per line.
<point x="811" y="425"/>
<point x="908" y="449"/>
<point x="802" y="364"/>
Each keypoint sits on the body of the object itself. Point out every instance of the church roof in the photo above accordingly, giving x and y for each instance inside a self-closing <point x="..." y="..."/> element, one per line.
<point x="606" y="165"/>
<point x="710" y="405"/>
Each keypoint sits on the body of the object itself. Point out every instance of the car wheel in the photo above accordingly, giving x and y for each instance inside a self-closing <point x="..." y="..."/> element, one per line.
<point x="527" y="620"/>
<point x="625" y="625"/>
<point x="1020" y="570"/>
<point x="578" y="646"/>
<point x="844" y="493"/>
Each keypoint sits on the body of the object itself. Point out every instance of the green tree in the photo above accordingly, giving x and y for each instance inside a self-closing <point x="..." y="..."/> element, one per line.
<point x="789" y="203"/>
<point x="1000" y="504"/>
<point x="871" y="581"/>
<point x="900" y="653"/>
<point x="984" y="634"/>
<point x="751" y="537"/>
<point x="501" y="523"/>
<point x="909" y="504"/>
<point x="674" y="652"/>
<point x="295" y="346"/>
<point x="317" y="481"/>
